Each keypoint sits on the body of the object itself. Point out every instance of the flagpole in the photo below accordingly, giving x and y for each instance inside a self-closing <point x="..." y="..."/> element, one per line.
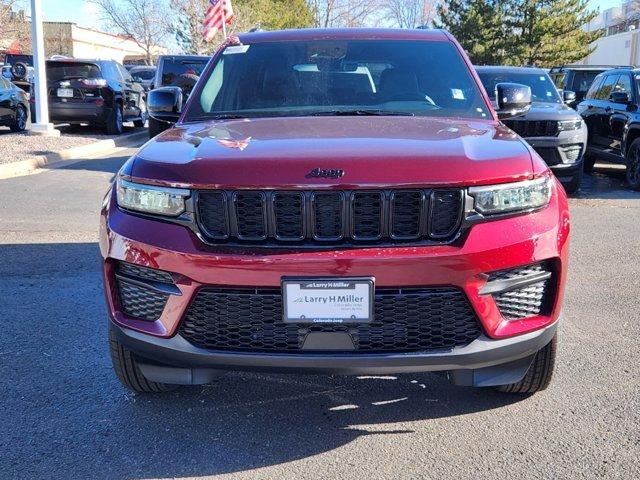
<point x="224" y="18"/>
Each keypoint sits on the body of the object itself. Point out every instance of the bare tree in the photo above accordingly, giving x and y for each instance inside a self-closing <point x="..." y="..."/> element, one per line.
<point x="343" y="13"/>
<point x="14" y="27"/>
<point x="188" y="24"/>
<point x="411" y="13"/>
<point x="144" y="21"/>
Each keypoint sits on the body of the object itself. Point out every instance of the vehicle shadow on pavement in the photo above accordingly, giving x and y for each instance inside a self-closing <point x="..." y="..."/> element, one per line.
<point x="66" y="416"/>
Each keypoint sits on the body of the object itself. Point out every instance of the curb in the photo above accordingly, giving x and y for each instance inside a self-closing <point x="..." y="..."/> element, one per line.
<point x="26" y="167"/>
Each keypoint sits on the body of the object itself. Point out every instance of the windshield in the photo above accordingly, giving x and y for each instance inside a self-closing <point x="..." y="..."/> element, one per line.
<point x="68" y="70"/>
<point x="12" y="59"/>
<point x="542" y="88"/>
<point x="363" y="77"/>
<point x="143" y="74"/>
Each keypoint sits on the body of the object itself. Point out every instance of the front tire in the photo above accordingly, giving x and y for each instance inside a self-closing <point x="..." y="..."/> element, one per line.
<point x="574" y="185"/>
<point x="633" y="165"/>
<point x="126" y="367"/>
<point x="589" y="162"/>
<point x="143" y="115"/>
<point x="539" y="374"/>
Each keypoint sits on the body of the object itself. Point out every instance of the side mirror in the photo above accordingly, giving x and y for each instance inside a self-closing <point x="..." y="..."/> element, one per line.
<point x="568" y="96"/>
<point x="165" y="104"/>
<point x="514" y="100"/>
<point x="620" y="97"/>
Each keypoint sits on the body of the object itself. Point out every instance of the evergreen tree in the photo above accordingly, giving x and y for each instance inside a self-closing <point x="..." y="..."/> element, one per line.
<point x="520" y="32"/>
<point x="549" y="32"/>
<point x="479" y="25"/>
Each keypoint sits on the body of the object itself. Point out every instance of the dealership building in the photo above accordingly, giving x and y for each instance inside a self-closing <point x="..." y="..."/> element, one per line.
<point x="620" y="44"/>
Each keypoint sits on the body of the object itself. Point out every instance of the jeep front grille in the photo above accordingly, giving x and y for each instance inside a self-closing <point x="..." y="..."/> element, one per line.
<point x="329" y="217"/>
<point x="533" y="128"/>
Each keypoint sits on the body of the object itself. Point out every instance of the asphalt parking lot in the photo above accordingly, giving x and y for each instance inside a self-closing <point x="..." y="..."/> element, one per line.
<point x="64" y="415"/>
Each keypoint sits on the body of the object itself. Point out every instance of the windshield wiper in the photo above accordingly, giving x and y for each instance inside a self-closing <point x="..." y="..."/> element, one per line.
<point x="225" y="116"/>
<point x="362" y="112"/>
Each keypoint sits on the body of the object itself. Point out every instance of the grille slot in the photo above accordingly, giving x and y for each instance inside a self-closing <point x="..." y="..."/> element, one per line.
<point x="327" y="218"/>
<point x="367" y="215"/>
<point x="289" y="215"/>
<point x="406" y="214"/>
<point x="212" y="211"/>
<point x="329" y="215"/>
<point x="140" y="302"/>
<point x="251" y="215"/>
<point x="144" y="273"/>
<point x="445" y="212"/>
<point x="406" y="320"/>
<point x="527" y="301"/>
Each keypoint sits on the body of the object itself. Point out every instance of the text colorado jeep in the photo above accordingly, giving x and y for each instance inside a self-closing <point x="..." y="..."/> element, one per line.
<point x="336" y="201"/>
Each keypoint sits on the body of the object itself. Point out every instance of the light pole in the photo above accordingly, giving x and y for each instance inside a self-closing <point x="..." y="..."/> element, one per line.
<point x="41" y="126"/>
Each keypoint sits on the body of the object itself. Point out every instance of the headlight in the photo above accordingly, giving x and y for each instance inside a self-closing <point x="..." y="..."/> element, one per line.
<point x="512" y="197"/>
<point x="151" y="199"/>
<point x="566" y="125"/>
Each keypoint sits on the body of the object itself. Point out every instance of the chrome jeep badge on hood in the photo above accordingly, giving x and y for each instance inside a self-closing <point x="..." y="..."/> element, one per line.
<point x="325" y="173"/>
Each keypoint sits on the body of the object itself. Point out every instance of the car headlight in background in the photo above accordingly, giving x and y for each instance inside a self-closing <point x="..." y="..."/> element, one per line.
<point x="151" y="199"/>
<point x="512" y="197"/>
<point x="566" y="125"/>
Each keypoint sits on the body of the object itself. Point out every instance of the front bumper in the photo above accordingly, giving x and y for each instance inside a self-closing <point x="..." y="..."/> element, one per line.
<point x="484" y="362"/>
<point x="563" y="154"/>
<point x="540" y="236"/>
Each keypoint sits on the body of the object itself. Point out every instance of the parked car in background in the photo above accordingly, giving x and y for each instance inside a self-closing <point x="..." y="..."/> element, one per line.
<point x="143" y="75"/>
<point x="181" y="71"/>
<point x="554" y="130"/>
<point x="610" y="109"/>
<point x="18" y="69"/>
<point x="14" y="106"/>
<point x="576" y="78"/>
<point x="98" y="92"/>
<point x="305" y="220"/>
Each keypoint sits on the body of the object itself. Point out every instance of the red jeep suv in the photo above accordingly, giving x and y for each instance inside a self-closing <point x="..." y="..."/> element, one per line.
<point x="336" y="202"/>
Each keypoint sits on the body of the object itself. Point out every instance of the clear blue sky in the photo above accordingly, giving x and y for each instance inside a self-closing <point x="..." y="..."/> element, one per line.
<point x="84" y="13"/>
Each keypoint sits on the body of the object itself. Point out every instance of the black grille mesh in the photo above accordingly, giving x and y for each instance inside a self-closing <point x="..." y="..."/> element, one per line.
<point x="406" y="214"/>
<point x="528" y="301"/>
<point x="288" y="209"/>
<point x="144" y="273"/>
<point x="534" y="128"/>
<point x="405" y="320"/>
<point x="251" y="215"/>
<point x="140" y="302"/>
<point x="367" y="215"/>
<point x="329" y="217"/>
<point x="445" y="212"/>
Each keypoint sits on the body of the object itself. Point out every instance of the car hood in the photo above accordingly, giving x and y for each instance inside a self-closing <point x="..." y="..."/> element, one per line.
<point x="550" y="111"/>
<point x="371" y="151"/>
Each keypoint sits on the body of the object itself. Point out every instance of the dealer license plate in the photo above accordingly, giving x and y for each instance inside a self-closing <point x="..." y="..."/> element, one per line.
<point x="65" y="92"/>
<point x="328" y="300"/>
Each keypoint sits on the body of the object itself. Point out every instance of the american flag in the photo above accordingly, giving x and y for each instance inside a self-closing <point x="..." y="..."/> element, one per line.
<point x="219" y="14"/>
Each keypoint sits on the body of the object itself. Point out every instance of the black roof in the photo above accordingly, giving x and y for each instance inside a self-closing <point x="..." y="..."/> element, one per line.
<point x="507" y="69"/>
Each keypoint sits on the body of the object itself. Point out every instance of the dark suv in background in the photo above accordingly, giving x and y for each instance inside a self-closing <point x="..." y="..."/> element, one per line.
<point x="553" y="129"/>
<point x="98" y="92"/>
<point x="610" y="110"/>
<point x="176" y="71"/>
<point x="576" y="78"/>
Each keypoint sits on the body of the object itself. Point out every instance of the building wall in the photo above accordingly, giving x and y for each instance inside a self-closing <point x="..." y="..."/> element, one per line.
<point x="73" y="41"/>
<point x="620" y="49"/>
